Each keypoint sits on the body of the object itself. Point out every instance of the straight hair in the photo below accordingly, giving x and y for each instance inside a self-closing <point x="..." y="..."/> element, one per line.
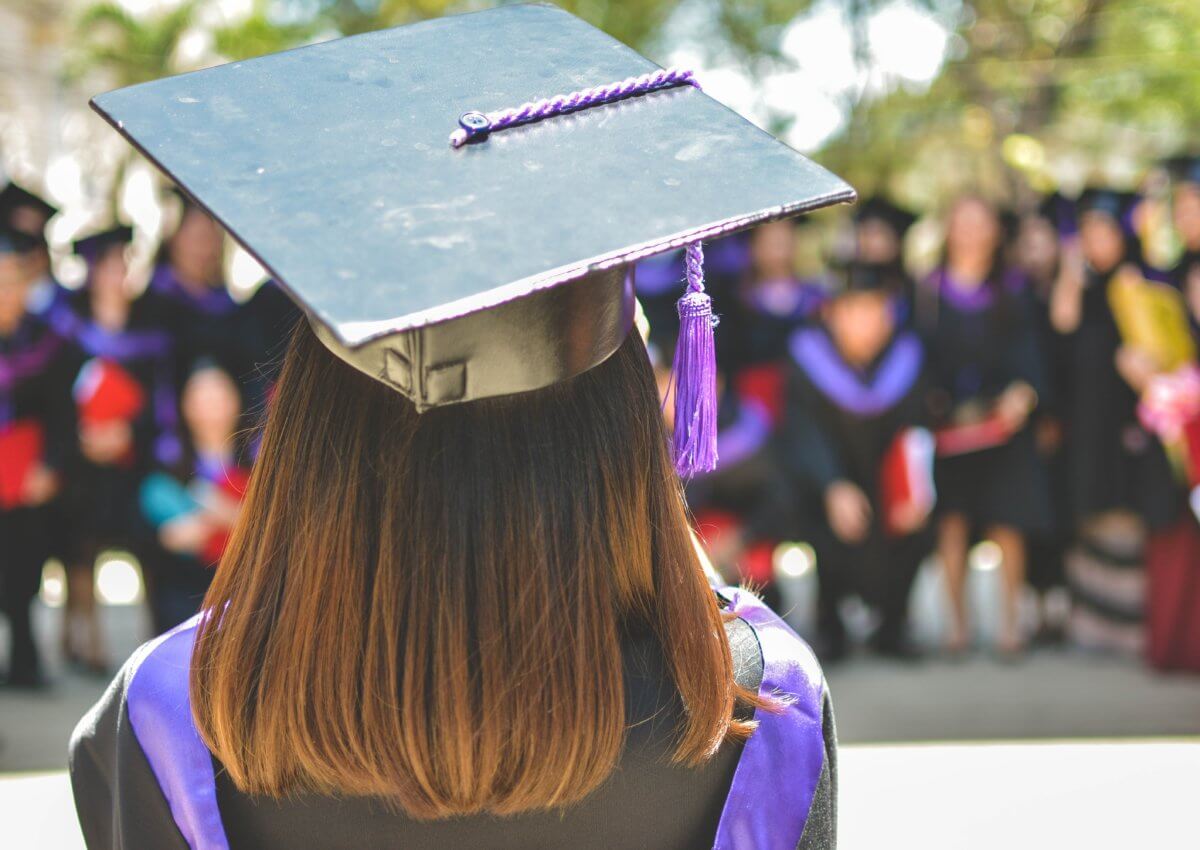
<point x="430" y="608"/>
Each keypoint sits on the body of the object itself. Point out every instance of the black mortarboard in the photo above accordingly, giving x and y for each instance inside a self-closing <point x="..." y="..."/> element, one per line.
<point x="457" y="273"/>
<point x="857" y="276"/>
<point x="16" y="241"/>
<point x="13" y="197"/>
<point x="93" y="246"/>
<point x="881" y="209"/>
<point x="1184" y="169"/>
<point x="1117" y="205"/>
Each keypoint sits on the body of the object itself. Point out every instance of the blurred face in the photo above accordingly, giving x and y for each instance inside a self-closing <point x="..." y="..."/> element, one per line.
<point x="108" y="274"/>
<point x="1037" y="247"/>
<point x="32" y="221"/>
<point x="861" y="324"/>
<point x="211" y="407"/>
<point x="972" y="232"/>
<point x="1101" y="241"/>
<point x="196" y="248"/>
<point x="14" y="288"/>
<point x="877" y="241"/>
<point x="1186" y="212"/>
<point x="773" y="249"/>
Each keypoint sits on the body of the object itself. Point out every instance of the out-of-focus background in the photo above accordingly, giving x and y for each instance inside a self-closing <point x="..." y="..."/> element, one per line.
<point x="1016" y="661"/>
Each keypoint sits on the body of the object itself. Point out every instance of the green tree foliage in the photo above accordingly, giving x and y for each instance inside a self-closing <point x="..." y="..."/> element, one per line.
<point x="131" y="48"/>
<point x="1034" y="88"/>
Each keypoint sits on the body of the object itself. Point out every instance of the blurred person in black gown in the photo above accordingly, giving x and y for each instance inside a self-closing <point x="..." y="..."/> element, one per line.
<point x="744" y="508"/>
<point x="36" y="442"/>
<point x="30" y="214"/>
<point x="977" y="319"/>
<point x="203" y="317"/>
<point x="1120" y="480"/>
<point x="770" y="301"/>
<point x="127" y="416"/>
<point x="880" y="228"/>
<point x="1185" y="215"/>
<point x="856" y="387"/>
<point x="1036" y="251"/>
<point x="192" y="504"/>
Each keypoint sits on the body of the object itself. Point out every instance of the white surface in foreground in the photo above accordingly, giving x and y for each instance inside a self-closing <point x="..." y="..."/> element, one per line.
<point x="1084" y="794"/>
<point x="1095" y="795"/>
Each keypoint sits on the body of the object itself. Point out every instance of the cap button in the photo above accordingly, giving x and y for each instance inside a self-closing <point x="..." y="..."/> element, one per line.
<point x="474" y="123"/>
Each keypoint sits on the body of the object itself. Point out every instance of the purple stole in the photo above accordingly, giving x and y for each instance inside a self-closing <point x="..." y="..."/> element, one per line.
<point x="766" y="808"/>
<point x="213" y="302"/>
<point x="862" y="395"/>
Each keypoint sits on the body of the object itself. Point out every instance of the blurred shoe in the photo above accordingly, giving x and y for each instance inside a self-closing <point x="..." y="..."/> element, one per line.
<point x="896" y="648"/>
<point x="831" y="649"/>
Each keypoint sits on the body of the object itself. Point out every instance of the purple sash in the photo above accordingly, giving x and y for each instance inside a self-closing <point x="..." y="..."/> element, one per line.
<point x="815" y="353"/>
<point x="972" y="299"/>
<point x="160" y="713"/>
<point x="777" y="775"/>
<point x="212" y="302"/>
<point x="766" y="809"/>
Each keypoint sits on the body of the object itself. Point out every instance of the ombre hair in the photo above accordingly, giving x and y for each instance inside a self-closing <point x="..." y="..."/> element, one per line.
<point x="430" y="608"/>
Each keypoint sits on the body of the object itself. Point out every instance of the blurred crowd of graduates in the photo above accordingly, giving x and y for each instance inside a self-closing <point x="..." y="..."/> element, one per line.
<point x="1034" y="386"/>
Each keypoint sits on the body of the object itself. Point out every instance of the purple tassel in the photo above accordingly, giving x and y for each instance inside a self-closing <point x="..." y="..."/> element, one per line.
<point x="695" y="438"/>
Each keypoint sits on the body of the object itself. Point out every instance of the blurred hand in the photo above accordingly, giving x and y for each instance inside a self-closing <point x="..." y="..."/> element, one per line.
<point x="848" y="510"/>
<point x="1135" y="366"/>
<point x="1066" y="301"/>
<point x="185" y="534"/>
<point x="105" y="443"/>
<point x="909" y="517"/>
<point x="1015" y="404"/>
<point x="40" y="486"/>
<point x="1049" y="435"/>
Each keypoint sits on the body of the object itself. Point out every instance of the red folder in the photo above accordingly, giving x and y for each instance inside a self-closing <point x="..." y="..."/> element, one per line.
<point x="986" y="433"/>
<point x="21" y="446"/>
<point x="906" y="479"/>
<point x="104" y="392"/>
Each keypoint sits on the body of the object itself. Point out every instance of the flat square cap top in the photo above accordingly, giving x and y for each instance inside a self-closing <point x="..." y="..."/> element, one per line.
<point x="331" y="165"/>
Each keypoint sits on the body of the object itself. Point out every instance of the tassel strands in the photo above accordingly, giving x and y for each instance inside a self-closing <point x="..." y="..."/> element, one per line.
<point x="695" y="375"/>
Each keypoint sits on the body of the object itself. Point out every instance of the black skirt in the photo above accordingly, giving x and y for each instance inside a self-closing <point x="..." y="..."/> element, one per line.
<point x="1005" y="485"/>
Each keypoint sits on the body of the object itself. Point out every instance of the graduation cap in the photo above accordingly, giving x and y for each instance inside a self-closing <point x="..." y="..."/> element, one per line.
<point x="857" y="276"/>
<point x="95" y="245"/>
<point x="457" y="204"/>
<point x="878" y="208"/>
<point x="1184" y="169"/>
<point x="1115" y="204"/>
<point x="14" y="197"/>
<point x="16" y="241"/>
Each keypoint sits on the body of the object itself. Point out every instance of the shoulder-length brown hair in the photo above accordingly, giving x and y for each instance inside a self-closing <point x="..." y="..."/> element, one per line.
<point x="430" y="608"/>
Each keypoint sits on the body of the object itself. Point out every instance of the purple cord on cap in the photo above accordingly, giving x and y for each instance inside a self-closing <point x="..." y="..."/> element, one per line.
<point x="695" y="369"/>
<point x="473" y="125"/>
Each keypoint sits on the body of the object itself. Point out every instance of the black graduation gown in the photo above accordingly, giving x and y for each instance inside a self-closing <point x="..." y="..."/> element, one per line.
<point x="979" y="342"/>
<point x="102" y="499"/>
<point x="1044" y="551"/>
<point x="1114" y="463"/>
<point x="35" y="391"/>
<point x="839" y="425"/>
<point x="647" y="802"/>
<point x="207" y="325"/>
<point x="748" y="481"/>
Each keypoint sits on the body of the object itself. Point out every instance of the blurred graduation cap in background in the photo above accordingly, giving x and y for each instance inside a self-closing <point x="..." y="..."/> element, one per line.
<point x="1184" y="169"/>
<point x="856" y="276"/>
<point x="95" y="245"/>
<point x="22" y="210"/>
<point x="15" y="241"/>
<point x="497" y="266"/>
<point x="879" y="208"/>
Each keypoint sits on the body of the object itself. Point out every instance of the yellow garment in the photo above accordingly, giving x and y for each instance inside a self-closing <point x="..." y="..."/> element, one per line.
<point x="1152" y="317"/>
